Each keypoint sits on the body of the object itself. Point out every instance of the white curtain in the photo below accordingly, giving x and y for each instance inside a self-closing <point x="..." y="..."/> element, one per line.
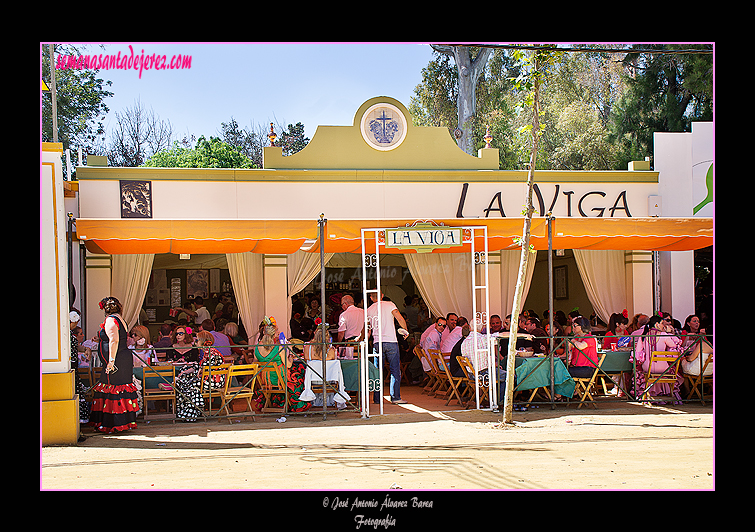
<point x="603" y="273"/>
<point x="246" y="271"/>
<point x="444" y="280"/>
<point x="129" y="279"/>
<point x="510" y="259"/>
<point x="301" y="267"/>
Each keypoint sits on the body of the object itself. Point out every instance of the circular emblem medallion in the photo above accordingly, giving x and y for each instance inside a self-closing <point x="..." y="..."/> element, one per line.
<point x="383" y="126"/>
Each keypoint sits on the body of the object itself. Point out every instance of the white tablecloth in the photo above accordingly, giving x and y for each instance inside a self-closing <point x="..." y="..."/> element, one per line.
<point x="332" y="373"/>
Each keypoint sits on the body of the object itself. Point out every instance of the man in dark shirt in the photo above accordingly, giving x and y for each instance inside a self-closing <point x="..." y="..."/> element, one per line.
<point x="539" y="342"/>
<point x="302" y="327"/>
<point x="164" y="341"/>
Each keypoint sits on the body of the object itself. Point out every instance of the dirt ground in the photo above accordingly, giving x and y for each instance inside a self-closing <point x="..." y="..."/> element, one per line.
<point x="619" y="446"/>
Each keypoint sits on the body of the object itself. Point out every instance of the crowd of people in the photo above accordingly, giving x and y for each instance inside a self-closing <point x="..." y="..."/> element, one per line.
<point x="199" y="339"/>
<point x="188" y="345"/>
<point x="577" y="344"/>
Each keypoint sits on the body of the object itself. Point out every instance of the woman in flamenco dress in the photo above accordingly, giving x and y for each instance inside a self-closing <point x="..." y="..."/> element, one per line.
<point x="115" y="402"/>
<point x="270" y="350"/>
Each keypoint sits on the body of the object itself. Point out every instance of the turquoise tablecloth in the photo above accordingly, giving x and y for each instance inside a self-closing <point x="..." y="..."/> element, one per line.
<point x="350" y="370"/>
<point x="530" y="374"/>
<point x="617" y="361"/>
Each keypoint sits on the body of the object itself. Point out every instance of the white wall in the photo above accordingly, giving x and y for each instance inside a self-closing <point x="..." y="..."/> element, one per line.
<point x="682" y="160"/>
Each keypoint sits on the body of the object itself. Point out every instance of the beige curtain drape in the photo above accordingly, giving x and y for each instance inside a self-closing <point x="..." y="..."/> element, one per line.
<point x="128" y="282"/>
<point x="603" y="273"/>
<point x="510" y="259"/>
<point x="301" y="267"/>
<point x="444" y="281"/>
<point x="246" y="271"/>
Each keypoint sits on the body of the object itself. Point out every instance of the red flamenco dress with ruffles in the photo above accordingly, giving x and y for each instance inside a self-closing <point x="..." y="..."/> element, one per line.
<point x="115" y="403"/>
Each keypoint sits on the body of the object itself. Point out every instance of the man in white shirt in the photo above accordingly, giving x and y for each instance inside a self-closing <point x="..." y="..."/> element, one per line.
<point x="384" y="333"/>
<point x="201" y="310"/>
<point x="452" y="338"/>
<point x="350" y="322"/>
<point x="450" y="324"/>
<point x="431" y="339"/>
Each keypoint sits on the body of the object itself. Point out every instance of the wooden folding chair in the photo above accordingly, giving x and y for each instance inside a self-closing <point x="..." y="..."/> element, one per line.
<point x="159" y="385"/>
<point x="667" y="376"/>
<point x="441" y="384"/>
<point x="268" y="388"/>
<point x="584" y="385"/>
<point x="469" y="391"/>
<point x="245" y="378"/>
<point x="219" y="374"/>
<point x="432" y="374"/>
<point x="449" y="384"/>
<point x="697" y="383"/>
<point x="86" y="379"/>
<point x="96" y="374"/>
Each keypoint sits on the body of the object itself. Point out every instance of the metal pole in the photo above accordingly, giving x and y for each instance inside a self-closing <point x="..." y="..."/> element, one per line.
<point x="321" y="224"/>
<point x="54" y="95"/>
<point x="549" y="219"/>
<point x="69" y="237"/>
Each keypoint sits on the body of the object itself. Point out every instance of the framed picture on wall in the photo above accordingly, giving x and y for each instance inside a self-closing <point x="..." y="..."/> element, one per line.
<point x="198" y="283"/>
<point x="136" y="199"/>
<point x="560" y="282"/>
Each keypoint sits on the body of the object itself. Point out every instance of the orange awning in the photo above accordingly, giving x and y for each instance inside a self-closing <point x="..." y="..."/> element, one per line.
<point x="114" y="236"/>
<point x="126" y="236"/>
<point x="649" y="234"/>
<point x="345" y="236"/>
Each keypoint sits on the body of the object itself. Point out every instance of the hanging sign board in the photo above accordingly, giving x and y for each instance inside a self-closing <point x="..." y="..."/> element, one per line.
<point x="424" y="237"/>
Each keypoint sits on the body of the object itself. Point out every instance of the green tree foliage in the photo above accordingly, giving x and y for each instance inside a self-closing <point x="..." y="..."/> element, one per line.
<point x="435" y="103"/>
<point x="434" y="100"/>
<point x="81" y="107"/>
<point x="247" y="141"/>
<point x="598" y="108"/>
<point x="293" y="140"/>
<point x="212" y="153"/>
<point x="666" y="93"/>
<point x="579" y="93"/>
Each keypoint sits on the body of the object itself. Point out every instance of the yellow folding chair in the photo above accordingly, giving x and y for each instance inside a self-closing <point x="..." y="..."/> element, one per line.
<point x="584" y="385"/>
<point x="697" y="383"/>
<point x="214" y="380"/>
<point x="668" y="375"/>
<point x="469" y="373"/>
<point x="272" y="383"/>
<point x="432" y="373"/>
<point x="159" y="385"/>
<point x="239" y="384"/>
<point x="449" y="384"/>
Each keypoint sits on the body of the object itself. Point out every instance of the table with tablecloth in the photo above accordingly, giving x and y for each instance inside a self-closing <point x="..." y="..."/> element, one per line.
<point x="350" y="370"/>
<point x="333" y="373"/>
<point x="535" y="372"/>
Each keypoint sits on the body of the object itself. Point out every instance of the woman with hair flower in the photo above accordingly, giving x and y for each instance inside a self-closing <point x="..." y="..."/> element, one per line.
<point x="617" y="336"/>
<point x="115" y="402"/>
<point x="269" y="349"/>
<point x="658" y="335"/>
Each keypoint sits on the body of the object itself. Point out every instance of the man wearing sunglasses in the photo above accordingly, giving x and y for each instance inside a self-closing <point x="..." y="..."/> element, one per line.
<point x="431" y="338"/>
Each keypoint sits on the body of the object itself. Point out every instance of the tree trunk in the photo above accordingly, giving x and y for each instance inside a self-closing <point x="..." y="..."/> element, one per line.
<point x="469" y="71"/>
<point x="525" y="256"/>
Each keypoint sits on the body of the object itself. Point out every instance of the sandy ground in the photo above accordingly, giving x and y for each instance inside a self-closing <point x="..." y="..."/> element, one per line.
<point x="620" y="446"/>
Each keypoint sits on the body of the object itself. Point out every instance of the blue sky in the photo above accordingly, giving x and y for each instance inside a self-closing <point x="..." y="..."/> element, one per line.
<point x="312" y="83"/>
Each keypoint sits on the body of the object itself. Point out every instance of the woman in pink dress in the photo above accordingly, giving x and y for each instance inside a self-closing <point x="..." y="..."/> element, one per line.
<point x="658" y="336"/>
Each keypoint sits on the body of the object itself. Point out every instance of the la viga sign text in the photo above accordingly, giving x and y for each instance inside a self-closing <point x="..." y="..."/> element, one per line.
<point x="442" y="200"/>
<point x="297" y="198"/>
